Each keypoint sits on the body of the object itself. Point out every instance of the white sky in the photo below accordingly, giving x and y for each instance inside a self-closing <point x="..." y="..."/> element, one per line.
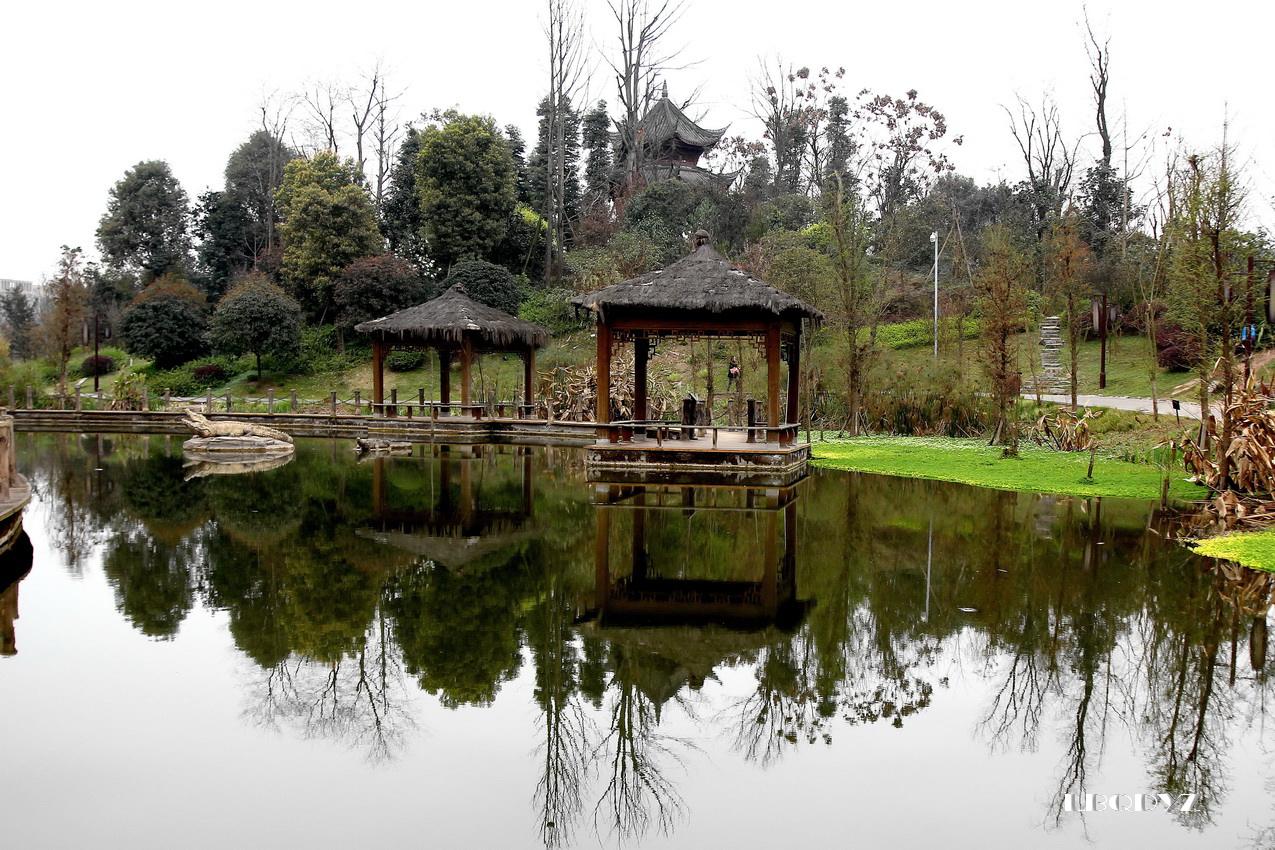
<point x="89" y="89"/>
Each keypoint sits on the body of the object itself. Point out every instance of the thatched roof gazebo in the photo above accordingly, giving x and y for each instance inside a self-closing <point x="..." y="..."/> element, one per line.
<point x="701" y="295"/>
<point x="457" y="326"/>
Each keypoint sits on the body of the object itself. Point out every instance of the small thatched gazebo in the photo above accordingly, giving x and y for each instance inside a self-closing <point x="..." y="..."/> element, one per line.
<point x="701" y="295"/>
<point x="457" y="326"/>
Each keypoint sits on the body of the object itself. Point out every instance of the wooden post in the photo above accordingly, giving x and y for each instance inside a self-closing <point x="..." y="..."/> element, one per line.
<point x="445" y="379"/>
<point x="78" y="402"/>
<point x="752" y="420"/>
<point x="334" y="403"/>
<point x="528" y="380"/>
<point x="270" y="402"/>
<point x="146" y="397"/>
<point x="794" y="378"/>
<point x="228" y="404"/>
<point x="466" y="362"/>
<point x="208" y="402"/>
<point x="641" y="352"/>
<point x="294" y="400"/>
<point x="30" y="398"/>
<point x="378" y="375"/>
<point x="168" y="398"/>
<point x="420" y="399"/>
<point x="358" y="402"/>
<point x="772" y="377"/>
<point x="393" y="409"/>
<point x="603" y="415"/>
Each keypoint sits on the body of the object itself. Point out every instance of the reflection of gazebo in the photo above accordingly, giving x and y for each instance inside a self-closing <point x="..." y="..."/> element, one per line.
<point x="455" y="528"/>
<point x="648" y="596"/>
<point x="457" y="326"/>
<point x="15" y="563"/>
<point x="701" y="295"/>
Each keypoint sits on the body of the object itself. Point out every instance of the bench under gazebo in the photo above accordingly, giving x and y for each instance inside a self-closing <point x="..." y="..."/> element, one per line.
<point x="458" y="328"/>
<point x="702" y="295"/>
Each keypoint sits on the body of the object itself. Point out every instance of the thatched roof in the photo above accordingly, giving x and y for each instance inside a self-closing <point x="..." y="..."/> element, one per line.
<point x="703" y="282"/>
<point x="447" y="319"/>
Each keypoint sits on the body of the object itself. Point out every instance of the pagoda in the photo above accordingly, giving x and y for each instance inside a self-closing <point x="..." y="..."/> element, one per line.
<point x="672" y="145"/>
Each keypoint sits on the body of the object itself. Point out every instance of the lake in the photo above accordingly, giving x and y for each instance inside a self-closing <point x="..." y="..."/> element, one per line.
<point x="476" y="647"/>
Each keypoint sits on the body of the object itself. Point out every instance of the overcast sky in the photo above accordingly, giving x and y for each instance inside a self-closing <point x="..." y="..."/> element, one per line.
<point x="91" y="89"/>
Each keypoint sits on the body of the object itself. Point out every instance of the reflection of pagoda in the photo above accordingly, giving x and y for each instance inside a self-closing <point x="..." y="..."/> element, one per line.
<point x="657" y="592"/>
<point x="457" y="527"/>
<point x="672" y="145"/>
<point x="15" y="563"/>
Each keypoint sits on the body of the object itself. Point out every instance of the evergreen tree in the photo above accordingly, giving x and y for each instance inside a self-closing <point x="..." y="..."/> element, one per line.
<point x="598" y="162"/>
<point x="466" y="183"/>
<point x="147" y="221"/>
<point x="401" y="219"/>
<point x="256" y="317"/>
<point x="328" y="222"/>
<point x="539" y="164"/>
<point x="518" y="150"/>
<point x="18" y="314"/>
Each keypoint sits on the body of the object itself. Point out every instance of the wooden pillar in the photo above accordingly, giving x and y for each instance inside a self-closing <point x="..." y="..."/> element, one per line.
<point x="602" y="559"/>
<point x="770" y="569"/>
<point x="772" y="378"/>
<point x="445" y="378"/>
<point x="378" y="376"/>
<point x="528" y="380"/>
<point x="794" y="378"/>
<point x="466" y="361"/>
<point x="603" y="414"/>
<point x="641" y="352"/>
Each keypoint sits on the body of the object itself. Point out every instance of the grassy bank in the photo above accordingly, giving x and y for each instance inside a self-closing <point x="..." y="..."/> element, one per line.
<point x="1254" y="549"/>
<point x="974" y="462"/>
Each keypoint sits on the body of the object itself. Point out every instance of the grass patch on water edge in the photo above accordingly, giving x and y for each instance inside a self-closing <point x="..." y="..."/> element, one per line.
<point x="1254" y="549"/>
<point x="973" y="462"/>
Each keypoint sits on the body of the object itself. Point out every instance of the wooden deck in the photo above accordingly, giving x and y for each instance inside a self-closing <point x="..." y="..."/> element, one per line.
<point x="645" y="458"/>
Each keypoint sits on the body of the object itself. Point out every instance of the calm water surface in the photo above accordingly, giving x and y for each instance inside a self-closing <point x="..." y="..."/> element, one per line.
<point x="475" y="648"/>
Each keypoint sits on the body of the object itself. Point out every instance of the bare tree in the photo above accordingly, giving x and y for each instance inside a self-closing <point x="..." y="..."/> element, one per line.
<point x="385" y="134"/>
<point x="642" y="57"/>
<point x="276" y="111"/>
<point x="1099" y="77"/>
<point x="1049" y="159"/>
<point x="60" y="327"/>
<point x="321" y="103"/>
<point x="568" y="68"/>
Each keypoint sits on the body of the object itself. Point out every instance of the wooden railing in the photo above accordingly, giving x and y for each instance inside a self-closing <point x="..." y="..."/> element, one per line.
<point x="625" y="431"/>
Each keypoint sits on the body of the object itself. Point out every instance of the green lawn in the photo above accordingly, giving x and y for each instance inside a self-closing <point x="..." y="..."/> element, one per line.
<point x="1254" y="549"/>
<point x="974" y="462"/>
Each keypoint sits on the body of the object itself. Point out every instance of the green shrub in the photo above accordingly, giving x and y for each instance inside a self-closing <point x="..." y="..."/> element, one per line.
<point x="551" y="309"/>
<point x="486" y="283"/>
<point x="321" y="354"/>
<point x="405" y="361"/>
<point x="100" y="365"/>
<point x="919" y="332"/>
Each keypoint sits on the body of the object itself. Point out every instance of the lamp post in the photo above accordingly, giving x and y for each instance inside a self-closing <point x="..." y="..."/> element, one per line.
<point x="934" y="238"/>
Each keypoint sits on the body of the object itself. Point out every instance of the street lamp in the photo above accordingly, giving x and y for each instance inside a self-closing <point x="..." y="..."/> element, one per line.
<point x="934" y="238"/>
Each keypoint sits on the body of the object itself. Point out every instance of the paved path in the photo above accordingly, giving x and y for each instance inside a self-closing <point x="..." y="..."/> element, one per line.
<point x="1190" y="409"/>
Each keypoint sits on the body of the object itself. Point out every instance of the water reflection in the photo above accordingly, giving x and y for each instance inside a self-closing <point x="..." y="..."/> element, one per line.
<point x="15" y="563"/>
<point x="653" y="623"/>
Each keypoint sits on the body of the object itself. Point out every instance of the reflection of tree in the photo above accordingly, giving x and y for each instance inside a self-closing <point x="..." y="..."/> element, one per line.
<point x="153" y="585"/>
<point x="459" y="630"/>
<point x="359" y="698"/>
<point x="638" y="793"/>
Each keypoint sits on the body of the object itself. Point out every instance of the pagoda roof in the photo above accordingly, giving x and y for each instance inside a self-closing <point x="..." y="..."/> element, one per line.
<point x="665" y="122"/>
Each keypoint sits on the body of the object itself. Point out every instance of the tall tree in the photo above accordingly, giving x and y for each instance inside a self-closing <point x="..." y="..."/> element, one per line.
<point x="328" y="222"/>
<point x="401" y="219"/>
<point x="147" y="222"/>
<point x="254" y="173"/>
<point x="466" y="183"/>
<point x="1068" y="264"/>
<point x="1001" y="285"/>
<point x="166" y="322"/>
<point x="62" y="320"/>
<point x="227" y="239"/>
<point x="597" y="163"/>
<point x="560" y="128"/>
<point x="858" y="297"/>
<point x="642" y="56"/>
